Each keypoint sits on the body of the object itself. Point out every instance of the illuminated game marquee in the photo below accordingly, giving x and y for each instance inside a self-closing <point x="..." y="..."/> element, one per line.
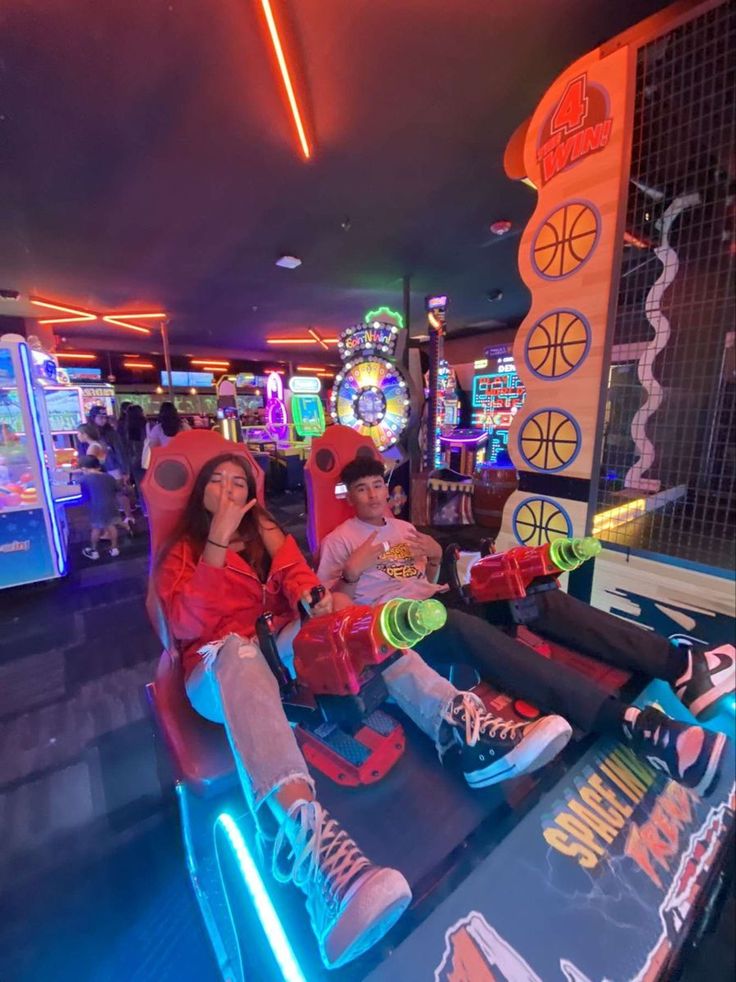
<point x="498" y="394"/>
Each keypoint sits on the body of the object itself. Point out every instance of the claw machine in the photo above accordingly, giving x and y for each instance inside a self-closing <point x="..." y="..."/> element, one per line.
<point x="33" y="528"/>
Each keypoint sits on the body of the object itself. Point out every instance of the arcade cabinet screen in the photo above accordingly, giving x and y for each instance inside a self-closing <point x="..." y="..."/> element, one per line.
<point x="498" y="394"/>
<point x="64" y="410"/>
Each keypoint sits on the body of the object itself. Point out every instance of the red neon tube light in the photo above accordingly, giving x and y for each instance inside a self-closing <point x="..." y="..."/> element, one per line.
<point x="286" y="78"/>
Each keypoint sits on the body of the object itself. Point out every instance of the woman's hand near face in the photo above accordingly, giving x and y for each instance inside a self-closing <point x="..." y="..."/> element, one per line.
<point x="229" y="513"/>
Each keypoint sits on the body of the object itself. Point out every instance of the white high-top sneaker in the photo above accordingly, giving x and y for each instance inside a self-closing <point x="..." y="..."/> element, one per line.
<point x="351" y="902"/>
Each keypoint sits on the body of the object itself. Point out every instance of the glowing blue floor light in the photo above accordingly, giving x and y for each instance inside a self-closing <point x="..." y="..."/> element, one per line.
<point x="274" y="929"/>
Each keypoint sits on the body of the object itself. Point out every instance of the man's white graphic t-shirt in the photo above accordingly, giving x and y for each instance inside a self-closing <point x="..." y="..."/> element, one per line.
<point x="395" y="574"/>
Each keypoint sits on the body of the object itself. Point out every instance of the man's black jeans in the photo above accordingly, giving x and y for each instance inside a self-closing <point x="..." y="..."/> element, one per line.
<point x="517" y="670"/>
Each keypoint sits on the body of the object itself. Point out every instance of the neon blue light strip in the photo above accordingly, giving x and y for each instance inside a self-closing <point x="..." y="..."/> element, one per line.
<point x="28" y="378"/>
<point x="274" y="929"/>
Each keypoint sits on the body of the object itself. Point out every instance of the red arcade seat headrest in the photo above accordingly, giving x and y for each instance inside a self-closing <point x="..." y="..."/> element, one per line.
<point x="173" y="470"/>
<point x="330" y="453"/>
<point x="168" y="484"/>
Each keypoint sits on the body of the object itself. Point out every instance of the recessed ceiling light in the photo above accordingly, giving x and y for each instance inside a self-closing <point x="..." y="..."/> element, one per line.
<point x="289" y="262"/>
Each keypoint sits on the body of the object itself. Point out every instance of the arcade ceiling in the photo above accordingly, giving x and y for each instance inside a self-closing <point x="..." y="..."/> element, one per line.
<point x="149" y="161"/>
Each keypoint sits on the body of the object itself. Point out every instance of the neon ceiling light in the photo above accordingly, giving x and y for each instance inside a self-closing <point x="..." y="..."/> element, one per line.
<point x="123" y="320"/>
<point x="381" y="313"/>
<point x="210" y="361"/>
<point x="286" y="78"/>
<point x="316" y="338"/>
<point x="138" y="364"/>
<point x="75" y="356"/>
<point x="77" y="314"/>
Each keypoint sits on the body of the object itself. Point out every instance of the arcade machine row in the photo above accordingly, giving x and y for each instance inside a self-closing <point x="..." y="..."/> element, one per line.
<point x="33" y="528"/>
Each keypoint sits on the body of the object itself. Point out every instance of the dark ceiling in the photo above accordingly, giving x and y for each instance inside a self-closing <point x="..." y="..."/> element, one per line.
<point x="146" y="156"/>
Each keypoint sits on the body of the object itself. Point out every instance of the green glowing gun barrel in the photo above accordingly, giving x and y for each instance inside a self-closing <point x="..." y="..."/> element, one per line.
<point x="405" y="622"/>
<point x="568" y="554"/>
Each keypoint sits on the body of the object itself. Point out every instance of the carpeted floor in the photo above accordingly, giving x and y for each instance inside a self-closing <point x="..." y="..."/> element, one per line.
<point x="93" y="884"/>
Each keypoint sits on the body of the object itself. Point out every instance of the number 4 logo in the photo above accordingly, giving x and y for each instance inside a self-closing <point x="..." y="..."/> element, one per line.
<point x="572" y="108"/>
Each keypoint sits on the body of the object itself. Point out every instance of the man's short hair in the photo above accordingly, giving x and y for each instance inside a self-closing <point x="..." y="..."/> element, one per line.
<point x="90" y="462"/>
<point x="361" y="467"/>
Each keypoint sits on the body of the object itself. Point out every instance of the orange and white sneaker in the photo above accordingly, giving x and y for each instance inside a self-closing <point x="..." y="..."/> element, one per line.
<point x="352" y="904"/>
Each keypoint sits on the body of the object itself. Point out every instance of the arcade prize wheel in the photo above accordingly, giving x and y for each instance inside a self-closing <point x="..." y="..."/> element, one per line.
<point x="372" y="398"/>
<point x="371" y="394"/>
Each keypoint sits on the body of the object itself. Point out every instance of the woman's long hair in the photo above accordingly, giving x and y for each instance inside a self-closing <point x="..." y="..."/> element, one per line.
<point x="194" y="524"/>
<point x="169" y="418"/>
<point x="135" y="423"/>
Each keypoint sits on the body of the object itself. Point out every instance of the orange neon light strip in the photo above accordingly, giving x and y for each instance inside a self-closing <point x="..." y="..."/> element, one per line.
<point x="116" y="319"/>
<point x="286" y="78"/>
<point x="138" y="364"/>
<point x="301" y="341"/>
<point x="317" y="337"/>
<point x="78" y="315"/>
<point x="74" y="356"/>
<point x="290" y="341"/>
<point x="209" y="361"/>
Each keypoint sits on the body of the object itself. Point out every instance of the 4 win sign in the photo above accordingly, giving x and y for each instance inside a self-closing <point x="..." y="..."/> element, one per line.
<point x="579" y="125"/>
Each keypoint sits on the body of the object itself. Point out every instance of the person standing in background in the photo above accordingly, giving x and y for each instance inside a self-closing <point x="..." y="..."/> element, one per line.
<point x="133" y="431"/>
<point x="100" y="490"/>
<point x="116" y="463"/>
<point x="169" y="424"/>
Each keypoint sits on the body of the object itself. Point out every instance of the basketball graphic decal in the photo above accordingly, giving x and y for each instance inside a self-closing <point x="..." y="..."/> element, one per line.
<point x="537" y="521"/>
<point x="565" y="240"/>
<point x="557" y="344"/>
<point x="549" y="440"/>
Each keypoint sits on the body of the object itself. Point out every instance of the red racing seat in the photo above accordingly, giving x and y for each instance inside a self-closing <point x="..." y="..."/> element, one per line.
<point x="337" y="446"/>
<point x="199" y="749"/>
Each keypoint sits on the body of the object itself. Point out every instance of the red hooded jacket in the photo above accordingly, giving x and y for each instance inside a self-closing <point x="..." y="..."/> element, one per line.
<point x="206" y="603"/>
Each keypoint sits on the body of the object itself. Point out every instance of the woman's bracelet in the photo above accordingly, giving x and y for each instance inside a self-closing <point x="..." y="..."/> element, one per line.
<point x="218" y="544"/>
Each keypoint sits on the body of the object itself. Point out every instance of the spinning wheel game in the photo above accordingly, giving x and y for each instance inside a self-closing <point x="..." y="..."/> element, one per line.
<point x="371" y="393"/>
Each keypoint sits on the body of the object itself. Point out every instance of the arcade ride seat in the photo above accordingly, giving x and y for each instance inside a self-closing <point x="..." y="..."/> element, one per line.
<point x="484" y="877"/>
<point x="337" y="446"/>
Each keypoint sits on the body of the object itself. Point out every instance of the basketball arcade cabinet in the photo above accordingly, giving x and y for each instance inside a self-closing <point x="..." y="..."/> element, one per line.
<point x="649" y="875"/>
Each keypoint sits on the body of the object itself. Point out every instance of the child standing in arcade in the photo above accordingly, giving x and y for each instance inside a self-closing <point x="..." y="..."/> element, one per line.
<point x="373" y="557"/>
<point x="101" y="491"/>
<point x="226" y="562"/>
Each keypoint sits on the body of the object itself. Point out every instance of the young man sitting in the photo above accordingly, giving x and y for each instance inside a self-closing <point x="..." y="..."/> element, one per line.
<point x="374" y="557"/>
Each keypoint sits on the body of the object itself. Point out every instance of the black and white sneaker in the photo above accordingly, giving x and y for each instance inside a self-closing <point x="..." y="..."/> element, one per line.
<point x="493" y="749"/>
<point x="709" y="676"/>
<point x="690" y="755"/>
